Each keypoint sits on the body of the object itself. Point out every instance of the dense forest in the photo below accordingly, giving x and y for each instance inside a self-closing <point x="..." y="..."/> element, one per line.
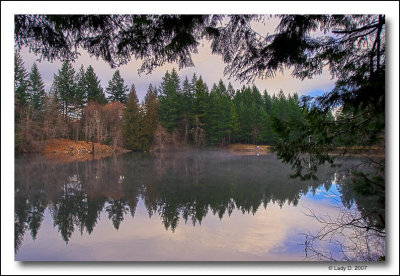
<point x="175" y="113"/>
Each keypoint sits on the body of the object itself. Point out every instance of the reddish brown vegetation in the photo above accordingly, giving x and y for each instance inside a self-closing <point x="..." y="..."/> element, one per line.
<point x="74" y="147"/>
<point x="65" y="150"/>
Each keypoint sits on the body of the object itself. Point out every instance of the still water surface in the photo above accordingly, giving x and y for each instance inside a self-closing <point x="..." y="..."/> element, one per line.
<point x="188" y="206"/>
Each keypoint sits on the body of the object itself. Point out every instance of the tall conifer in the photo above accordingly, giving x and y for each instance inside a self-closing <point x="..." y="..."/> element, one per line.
<point x="132" y="122"/>
<point x="117" y="89"/>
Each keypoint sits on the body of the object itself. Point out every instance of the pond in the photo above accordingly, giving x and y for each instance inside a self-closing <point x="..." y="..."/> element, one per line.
<point x="209" y="205"/>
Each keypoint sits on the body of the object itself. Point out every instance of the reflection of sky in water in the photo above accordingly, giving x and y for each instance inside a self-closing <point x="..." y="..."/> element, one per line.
<point x="332" y="195"/>
<point x="272" y="234"/>
<point x="206" y="185"/>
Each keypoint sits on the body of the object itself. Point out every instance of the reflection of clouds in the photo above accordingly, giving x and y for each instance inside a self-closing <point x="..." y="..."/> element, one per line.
<point x="269" y="235"/>
<point x="332" y="195"/>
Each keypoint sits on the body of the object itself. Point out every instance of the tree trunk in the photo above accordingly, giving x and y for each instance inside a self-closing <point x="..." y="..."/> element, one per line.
<point x="186" y="129"/>
<point x="77" y="131"/>
<point x="27" y="121"/>
<point x="86" y="129"/>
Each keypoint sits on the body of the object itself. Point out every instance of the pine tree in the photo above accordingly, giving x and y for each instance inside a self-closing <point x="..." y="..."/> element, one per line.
<point x="212" y="118"/>
<point x="199" y="110"/>
<point x="22" y="104"/>
<point x="81" y="88"/>
<point x="117" y="89"/>
<point x="234" y="127"/>
<point x="230" y="91"/>
<point x="93" y="88"/>
<point x="36" y="89"/>
<point x="221" y="87"/>
<point x="241" y="102"/>
<point x="218" y="115"/>
<point x="132" y="122"/>
<point x="150" y="119"/>
<point x="267" y="134"/>
<point x="66" y="87"/>
<point x="187" y="106"/>
<point x="20" y="80"/>
<point x="170" y="108"/>
<point x="201" y="99"/>
<point x="257" y="114"/>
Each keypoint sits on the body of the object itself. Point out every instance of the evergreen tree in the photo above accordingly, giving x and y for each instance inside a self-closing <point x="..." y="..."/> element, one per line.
<point x="221" y="87"/>
<point x="230" y="91"/>
<point x="81" y="88"/>
<point x="212" y="117"/>
<point x="36" y="89"/>
<point x="117" y="89"/>
<point x="20" y="80"/>
<point x="257" y="114"/>
<point x="199" y="110"/>
<point x="23" y="108"/>
<point x="170" y="108"/>
<point x="132" y="122"/>
<point x="201" y="99"/>
<point x="267" y="134"/>
<point x="66" y="87"/>
<point x="150" y="119"/>
<point x="234" y="127"/>
<point x="187" y="98"/>
<point x="93" y="88"/>
<point x="242" y="110"/>
<point x="218" y="115"/>
<point x="193" y="83"/>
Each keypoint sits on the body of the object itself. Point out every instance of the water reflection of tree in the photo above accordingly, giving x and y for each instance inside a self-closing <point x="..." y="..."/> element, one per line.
<point x="181" y="186"/>
<point x="346" y="237"/>
<point x="75" y="194"/>
<point x="116" y="210"/>
<point x="357" y="231"/>
<point x="29" y="206"/>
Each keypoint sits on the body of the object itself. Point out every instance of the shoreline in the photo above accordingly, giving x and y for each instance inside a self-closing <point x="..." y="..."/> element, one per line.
<point x="66" y="150"/>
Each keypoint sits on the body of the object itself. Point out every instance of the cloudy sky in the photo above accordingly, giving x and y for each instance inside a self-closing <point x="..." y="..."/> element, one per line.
<point x="209" y="66"/>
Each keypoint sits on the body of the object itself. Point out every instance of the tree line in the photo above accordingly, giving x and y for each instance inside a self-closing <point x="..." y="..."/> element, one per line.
<point x="175" y="113"/>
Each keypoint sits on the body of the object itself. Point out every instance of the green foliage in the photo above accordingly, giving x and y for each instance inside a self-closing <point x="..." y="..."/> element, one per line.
<point x="249" y="107"/>
<point x="132" y="122"/>
<point x="81" y="88"/>
<point x="170" y="109"/>
<point x="150" y="119"/>
<point x="201" y="98"/>
<point x="30" y="107"/>
<point x="218" y="119"/>
<point x="117" y="89"/>
<point x="36" y="89"/>
<point x="20" y="80"/>
<point x="218" y="115"/>
<point x="93" y="88"/>
<point x="197" y="116"/>
<point x="65" y="87"/>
